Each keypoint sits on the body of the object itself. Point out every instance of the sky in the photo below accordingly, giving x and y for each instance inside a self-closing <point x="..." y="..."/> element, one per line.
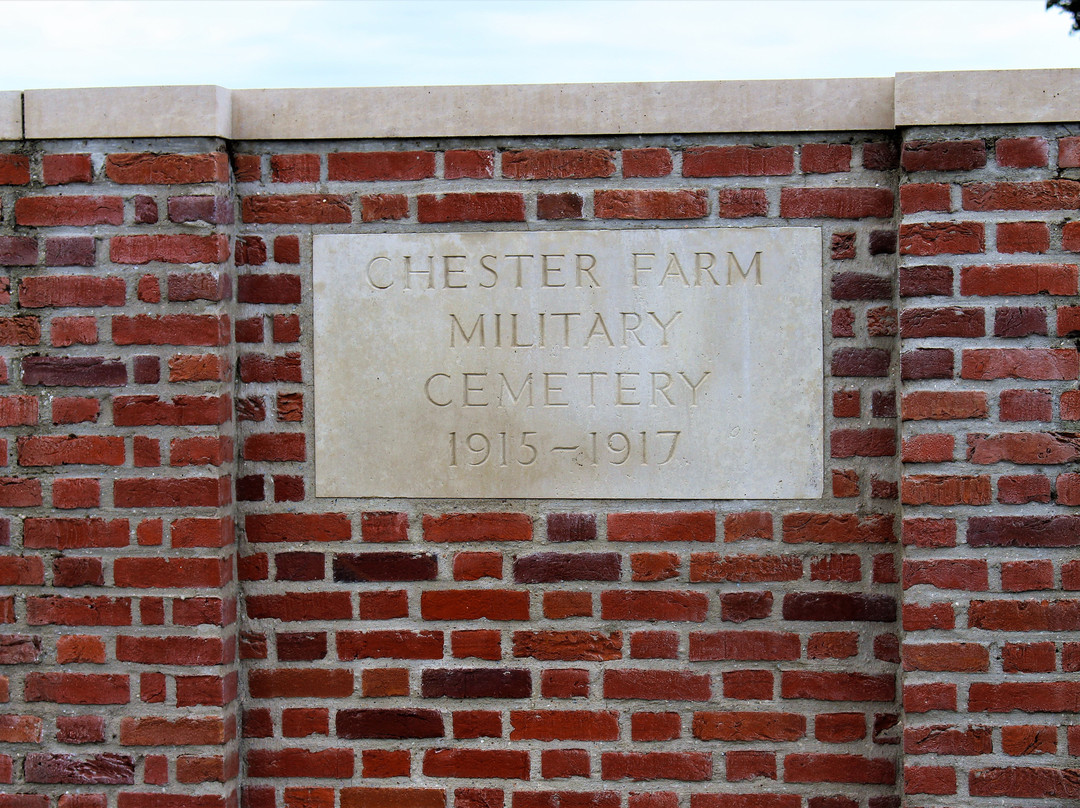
<point x="363" y="43"/>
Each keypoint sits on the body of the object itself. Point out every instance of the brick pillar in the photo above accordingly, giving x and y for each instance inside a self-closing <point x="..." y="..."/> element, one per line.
<point x="990" y="409"/>
<point x="117" y="516"/>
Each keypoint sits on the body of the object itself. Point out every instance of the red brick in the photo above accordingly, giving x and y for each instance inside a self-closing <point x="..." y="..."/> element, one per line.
<point x="21" y="331"/>
<point x="291" y="606"/>
<point x="69" y="251"/>
<point x="916" y="197"/>
<point x="837" y="686"/>
<point x="202" y="208"/>
<point x="654" y="566"/>
<point x="941" y="238"/>
<point x="384" y="763"/>
<point x="953" y="321"/>
<point x="931" y="448"/>
<point x="748" y="525"/>
<point x="929" y="780"/>
<point x="384" y="165"/>
<point x="295" y="763"/>
<point x="733" y="161"/>
<point x="568" y="645"/>
<point x="560" y="763"/>
<point x="482" y="644"/>
<point x="14" y="169"/>
<point x="946" y="656"/>
<point x="18" y="410"/>
<point x="740" y="203"/>
<point x="689" y="766"/>
<point x="1022" y="152"/>
<point x="493" y="604"/>
<point x="932" y="405"/>
<point x="73" y="331"/>
<point x="167" y="169"/>
<point x="687" y="204"/>
<point x="85" y="611"/>
<point x="943" y="155"/>
<point x="1019" y="279"/>
<point x="860" y="362"/>
<point x="546" y="164"/>
<point x="840" y="727"/>
<point x="744" y="568"/>
<point x="22" y="571"/>
<point x="1068" y="489"/>
<point x="878" y="442"/>
<point x="155" y="731"/>
<point x="559" y="206"/>
<point x="1023" y="447"/>
<point x="1023" y="237"/>
<point x="1033" y="782"/>
<point x="264" y="683"/>
<point x="560" y="605"/>
<point x="397" y="798"/>
<point x="477" y="763"/>
<point x="468" y="164"/>
<point x="743" y="645"/>
<point x="1040" y="364"/>
<point x="171" y="249"/>
<point x="1019" y="321"/>
<point x="929" y="489"/>
<point x="47" y="450"/>
<point x="830" y="528"/>
<point x="61" y="169"/>
<point x="72" y="211"/>
<point x="474" y="207"/>
<point x="646" y="162"/>
<point x="18" y="251"/>
<point x="296" y="209"/>
<point x="289" y="527"/>
<point x="17" y="492"/>
<point x="564" y="725"/>
<point x="381" y="208"/>
<point x="479" y="527"/>
<point x="1025" y="615"/>
<point x="474" y="566"/>
<point x="663" y="527"/>
<point x="656" y="684"/>
<point x="655" y="726"/>
<point x="1039" y="657"/>
<point x="77" y="688"/>
<point x="287" y="249"/>
<point x="1046" y="195"/>
<point x="749" y="726"/>
<point x="825" y="158"/>
<point x="830" y="768"/>
<point x="836" y="203"/>
<point x="263" y="368"/>
<point x="294" y="167"/>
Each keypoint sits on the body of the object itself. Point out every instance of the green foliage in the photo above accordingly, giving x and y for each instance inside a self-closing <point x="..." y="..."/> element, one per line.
<point x="1069" y="7"/>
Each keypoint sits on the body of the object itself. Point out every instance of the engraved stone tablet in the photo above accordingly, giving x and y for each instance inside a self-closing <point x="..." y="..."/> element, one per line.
<point x="655" y="364"/>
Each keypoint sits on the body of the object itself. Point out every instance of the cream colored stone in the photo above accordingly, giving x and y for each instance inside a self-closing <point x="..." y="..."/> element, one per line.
<point x="564" y="109"/>
<point x="192" y="111"/>
<point x="987" y="96"/>
<point x="10" y="115"/>
<point x="644" y="363"/>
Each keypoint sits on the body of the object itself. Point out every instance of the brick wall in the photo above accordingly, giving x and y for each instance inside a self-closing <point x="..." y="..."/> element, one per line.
<point x="185" y="624"/>
<point x="989" y="324"/>
<point x="119" y="655"/>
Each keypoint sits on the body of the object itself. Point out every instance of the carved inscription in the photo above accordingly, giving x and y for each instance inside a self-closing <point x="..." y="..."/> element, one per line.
<point x="660" y="364"/>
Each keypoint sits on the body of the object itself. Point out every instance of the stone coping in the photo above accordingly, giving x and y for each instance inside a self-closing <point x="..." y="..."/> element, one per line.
<point x="798" y="105"/>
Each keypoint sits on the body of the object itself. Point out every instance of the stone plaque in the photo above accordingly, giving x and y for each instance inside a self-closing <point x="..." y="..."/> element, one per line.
<point x="644" y="364"/>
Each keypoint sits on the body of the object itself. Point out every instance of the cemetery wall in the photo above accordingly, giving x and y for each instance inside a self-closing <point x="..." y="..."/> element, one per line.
<point x="183" y="622"/>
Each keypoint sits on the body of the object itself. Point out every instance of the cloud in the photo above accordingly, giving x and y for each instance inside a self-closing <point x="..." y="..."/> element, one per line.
<point x="284" y="43"/>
